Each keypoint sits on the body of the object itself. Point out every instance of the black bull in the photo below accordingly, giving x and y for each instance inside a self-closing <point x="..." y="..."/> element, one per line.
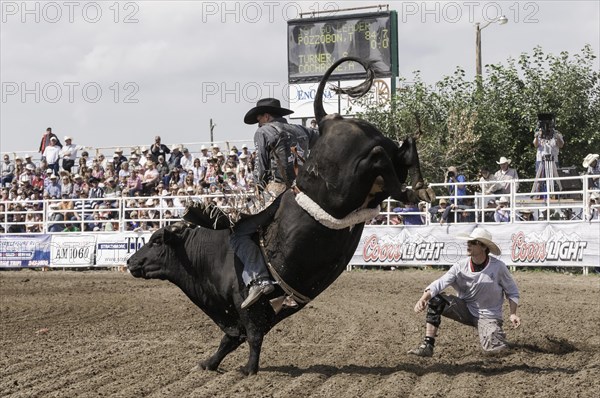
<point x="352" y="166"/>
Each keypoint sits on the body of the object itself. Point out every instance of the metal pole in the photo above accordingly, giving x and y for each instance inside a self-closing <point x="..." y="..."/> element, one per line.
<point x="212" y="127"/>
<point x="477" y="50"/>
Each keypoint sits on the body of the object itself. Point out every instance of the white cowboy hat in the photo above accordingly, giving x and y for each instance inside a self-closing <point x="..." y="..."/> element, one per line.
<point x="503" y="160"/>
<point x="503" y="199"/>
<point x="589" y="159"/>
<point x="482" y="235"/>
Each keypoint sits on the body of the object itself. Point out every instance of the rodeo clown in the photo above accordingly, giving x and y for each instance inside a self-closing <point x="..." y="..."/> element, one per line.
<point x="481" y="282"/>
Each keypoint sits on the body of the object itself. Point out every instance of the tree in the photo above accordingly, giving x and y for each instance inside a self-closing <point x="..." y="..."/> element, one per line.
<point x="471" y="126"/>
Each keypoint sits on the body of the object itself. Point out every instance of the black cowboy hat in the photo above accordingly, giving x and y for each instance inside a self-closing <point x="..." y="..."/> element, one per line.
<point x="266" y="105"/>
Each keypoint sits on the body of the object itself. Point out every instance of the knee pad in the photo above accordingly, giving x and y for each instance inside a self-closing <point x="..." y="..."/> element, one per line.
<point x="434" y="310"/>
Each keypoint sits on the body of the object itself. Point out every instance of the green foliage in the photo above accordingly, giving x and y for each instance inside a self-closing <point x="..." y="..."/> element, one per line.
<point x="471" y="125"/>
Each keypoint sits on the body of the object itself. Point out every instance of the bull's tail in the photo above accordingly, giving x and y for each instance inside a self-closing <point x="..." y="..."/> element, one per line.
<point x="354" y="92"/>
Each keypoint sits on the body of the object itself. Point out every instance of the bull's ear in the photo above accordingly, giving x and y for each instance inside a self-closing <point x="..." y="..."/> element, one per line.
<point x="174" y="231"/>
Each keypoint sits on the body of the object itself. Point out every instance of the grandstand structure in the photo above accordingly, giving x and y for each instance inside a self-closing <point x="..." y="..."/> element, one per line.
<point x="89" y="232"/>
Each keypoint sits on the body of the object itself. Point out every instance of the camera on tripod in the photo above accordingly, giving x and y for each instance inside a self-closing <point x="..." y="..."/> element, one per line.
<point x="546" y="124"/>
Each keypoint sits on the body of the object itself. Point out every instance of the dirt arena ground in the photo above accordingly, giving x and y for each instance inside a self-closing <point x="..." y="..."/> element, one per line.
<point x="104" y="333"/>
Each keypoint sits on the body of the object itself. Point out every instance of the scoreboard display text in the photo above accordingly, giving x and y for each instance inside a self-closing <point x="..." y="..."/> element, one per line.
<point x="316" y="43"/>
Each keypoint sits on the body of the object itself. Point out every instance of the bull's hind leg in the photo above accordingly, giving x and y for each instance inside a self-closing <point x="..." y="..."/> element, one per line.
<point x="228" y="344"/>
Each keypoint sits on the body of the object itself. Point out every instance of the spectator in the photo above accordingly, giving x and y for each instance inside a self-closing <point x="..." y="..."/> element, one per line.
<point x="134" y="184"/>
<point x="53" y="188"/>
<point x="162" y="167"/>
<point x="313" y="124"/>
<point x="110" y="170"/>
<point x="175" y="158"/>
<point x="66" y="186"/>
<point x="456" y="189"/>
<point x="158" y="149"/>
<point x="481" y="283"/>
<point x="118" y="160"/>
<point x="525" y="215"/>
<point x="51" y="155"/>
<point x="187" y="161"/>
<point x="502" y="213"/>
<point x="28" y="161"/>
<point x="46" y="138"/>
<point x="97" y="171"/>
<point x="592" y="165"/>
<point x="593" y="207"/>
<point x="410" y="219"/>
<point x="504" y="176"/>
<point x="215" y="150"/>
<point x="68" y="153"/>
<point x="8" y="171"/>
<point x="124" y="171"/>
<point x="197" y="172"/>
<point x="79" y="186"/>
<point x="204" y="156"/>
<point x="55" y="218"/>
<point x="175" y="176"/>
<point x="437" y="212"/>
<point x="134" y="161"/>
<point x="96" y="191"/>
<point x="110" y="187"/>
<point x="145" y="156"/>
<point x="150" y="179"/>
<point x="547" y="141"/>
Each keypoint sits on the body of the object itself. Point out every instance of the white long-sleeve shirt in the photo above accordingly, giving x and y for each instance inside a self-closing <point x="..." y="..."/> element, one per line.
<point x="482" y="291"/>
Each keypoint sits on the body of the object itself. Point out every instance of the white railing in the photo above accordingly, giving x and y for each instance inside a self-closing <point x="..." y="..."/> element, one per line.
<point x="150" y="213"/>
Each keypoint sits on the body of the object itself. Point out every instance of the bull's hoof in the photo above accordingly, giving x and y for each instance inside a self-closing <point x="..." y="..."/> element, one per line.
<point x="248" y="372"/>
<point x="205" y="365"/>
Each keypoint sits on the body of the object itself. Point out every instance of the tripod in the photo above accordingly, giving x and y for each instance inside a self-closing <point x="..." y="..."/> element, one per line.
<point x="547" y="171"/>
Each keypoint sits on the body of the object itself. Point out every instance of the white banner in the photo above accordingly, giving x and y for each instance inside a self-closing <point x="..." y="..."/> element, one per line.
<point x="522" y="244"/>
<point x="302" y="97"/>
<point x="72" y="250"/>
<point x="115" y="249"/>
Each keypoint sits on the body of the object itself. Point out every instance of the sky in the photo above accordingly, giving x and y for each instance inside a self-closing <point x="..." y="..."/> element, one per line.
<point x="114" y="73"/>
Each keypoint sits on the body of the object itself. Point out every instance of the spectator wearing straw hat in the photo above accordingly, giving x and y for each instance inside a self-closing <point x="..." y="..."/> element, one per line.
<point x="175" y="158"/>
<point x="502" y="212"/>
<point x="504" y="176"/>
<point x="68" y="153"/>
<point x="481" y="283"/>
<point x="592" y="164"/>
<point x="204" y="156"/>
<point x="51" y="155"/>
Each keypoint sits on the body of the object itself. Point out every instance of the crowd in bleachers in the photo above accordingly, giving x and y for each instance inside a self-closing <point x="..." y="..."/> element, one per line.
<point x="149" y="187"/>
<point x="86" y="194"/>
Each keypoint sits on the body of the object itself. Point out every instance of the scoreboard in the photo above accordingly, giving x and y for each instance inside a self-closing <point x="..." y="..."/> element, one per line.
<point x="316" y="43"/>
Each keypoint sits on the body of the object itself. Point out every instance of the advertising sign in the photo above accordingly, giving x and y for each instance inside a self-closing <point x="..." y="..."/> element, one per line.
<point x="302" y="97"/>
<point x="72" y="250"/>
<point x="115" y="249"/>
<point x="24" y="251"/>
<point x="522" y="244"/>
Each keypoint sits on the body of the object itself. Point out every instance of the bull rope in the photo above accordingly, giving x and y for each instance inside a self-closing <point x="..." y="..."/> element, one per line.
<point x="331" y="222"/>
<point x="297" y="297"/>
<point x="324" y="219"/>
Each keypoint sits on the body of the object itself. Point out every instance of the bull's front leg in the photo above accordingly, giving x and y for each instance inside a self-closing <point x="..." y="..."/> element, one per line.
<point x="228" y="344"/>
<point x="255" y="340"/>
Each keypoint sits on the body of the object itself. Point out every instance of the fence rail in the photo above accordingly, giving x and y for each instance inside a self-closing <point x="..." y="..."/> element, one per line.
<point x="149" y="213"/>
